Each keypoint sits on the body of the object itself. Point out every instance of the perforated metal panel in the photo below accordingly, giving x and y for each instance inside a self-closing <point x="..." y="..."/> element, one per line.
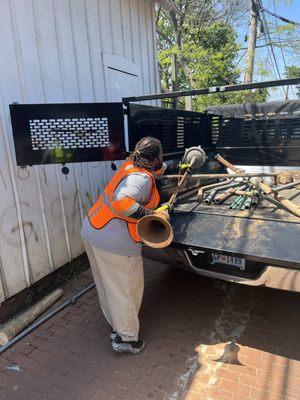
<point x="259" y="139"/>
<point x="257" y="134"/>
<point x="69" y="133"/>
<point x="61" y="133"/>
<point x="176" y="129"/>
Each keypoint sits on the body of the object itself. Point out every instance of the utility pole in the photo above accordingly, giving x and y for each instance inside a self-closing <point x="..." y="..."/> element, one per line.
<point x="188" y="103"/>
<point x="174" y="77"/>
<point x="248" y="78"/>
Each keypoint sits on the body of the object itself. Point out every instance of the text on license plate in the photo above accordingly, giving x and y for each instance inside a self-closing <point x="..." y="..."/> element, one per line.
<point x="229" y="260"/>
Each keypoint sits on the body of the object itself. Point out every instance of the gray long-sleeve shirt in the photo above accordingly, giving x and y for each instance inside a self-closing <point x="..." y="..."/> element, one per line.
<point x="114" y="237"/>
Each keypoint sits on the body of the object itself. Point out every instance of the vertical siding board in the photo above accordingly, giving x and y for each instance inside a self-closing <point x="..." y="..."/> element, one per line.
<point x="11" y="248"/>
<point x="12" y="251"/>
<point x="125" y="9"/>
<point x="44" y="219"/>
<point x="67" y="14"/>
<point x="48" y="51"/>
<point x="135" y="37"/>
<point x="87" y="47"/>
<point x="53" y="214"/>
<point x="155" y="59"/>
<point x="27" y="44"/>
<point x="33" y="75"/>
<point x="61" y="199"/>
<point x="91" y="175"/>
<point x="81" y="50"/>
<point x="149" y="40"/>
<point x="105" y="24"/>
<point x="95" y="47"/>
<point x="84" y="186"/>
<point x="70" y="195"/>
<point x="70" y="15"/>
<point x="64" y="40"/>
<point x="89" y="39"/>
<point x="53" y="93"/>
<point x="29" y="221"/>
<point x="116" y="27"/>
<point x="144" y="45"/>
<point x="98" y="178"/>
<point x="33" y="224"/>
<point x="153" y="69"/>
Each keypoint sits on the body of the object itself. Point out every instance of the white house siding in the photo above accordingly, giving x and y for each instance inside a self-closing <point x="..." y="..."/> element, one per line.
<point x="52" y="51"/>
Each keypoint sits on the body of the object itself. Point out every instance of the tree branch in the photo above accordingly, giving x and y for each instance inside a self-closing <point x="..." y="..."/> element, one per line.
<point x="165" y="37"/>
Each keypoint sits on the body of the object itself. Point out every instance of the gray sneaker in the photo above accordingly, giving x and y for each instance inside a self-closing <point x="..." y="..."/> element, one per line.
<point x="127" y="347"/>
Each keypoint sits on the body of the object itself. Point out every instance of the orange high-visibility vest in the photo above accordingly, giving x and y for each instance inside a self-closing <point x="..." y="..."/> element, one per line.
<point x="105" y="209"/>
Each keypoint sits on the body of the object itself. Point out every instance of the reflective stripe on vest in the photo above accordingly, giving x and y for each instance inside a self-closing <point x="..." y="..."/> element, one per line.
<point x="103" y="211"/>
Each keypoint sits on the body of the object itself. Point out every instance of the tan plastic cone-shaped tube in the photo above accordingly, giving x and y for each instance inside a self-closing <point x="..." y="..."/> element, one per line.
<point x="155" y="230"/>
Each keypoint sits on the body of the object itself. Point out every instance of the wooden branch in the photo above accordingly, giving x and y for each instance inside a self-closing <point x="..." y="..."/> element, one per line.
<point x="165" y="37"/>
<point x="158" y="16"/>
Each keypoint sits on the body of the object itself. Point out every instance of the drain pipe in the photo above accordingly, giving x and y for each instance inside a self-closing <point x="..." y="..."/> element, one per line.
<point x="45" y="318"/>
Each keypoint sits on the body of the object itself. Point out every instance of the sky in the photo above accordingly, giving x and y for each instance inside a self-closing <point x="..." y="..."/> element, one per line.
<point x="289" y="9"/>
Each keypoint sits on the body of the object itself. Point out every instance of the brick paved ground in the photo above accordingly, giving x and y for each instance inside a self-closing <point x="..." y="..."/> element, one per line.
<point x="206" y="340"/>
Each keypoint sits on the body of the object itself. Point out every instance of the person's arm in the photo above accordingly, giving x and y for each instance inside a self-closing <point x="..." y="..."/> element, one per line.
<point x="134" y="191"/>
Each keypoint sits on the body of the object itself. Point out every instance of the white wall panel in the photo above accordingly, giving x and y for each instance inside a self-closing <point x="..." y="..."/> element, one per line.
<point x="126" y="24"/>
<point x="117" y="27"/>
<point x="52" y="52"/>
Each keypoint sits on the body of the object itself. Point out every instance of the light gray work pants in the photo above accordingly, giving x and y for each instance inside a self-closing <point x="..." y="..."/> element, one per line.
<point x="120" y="285"/>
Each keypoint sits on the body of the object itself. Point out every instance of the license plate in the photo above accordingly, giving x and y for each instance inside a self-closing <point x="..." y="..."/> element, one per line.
<point x="229" y="260"/>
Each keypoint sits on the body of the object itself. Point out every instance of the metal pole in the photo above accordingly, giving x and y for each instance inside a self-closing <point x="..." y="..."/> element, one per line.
<point x="284" y="187"/>
<point x="215" y="89"/>
<point x="219" y="176"/>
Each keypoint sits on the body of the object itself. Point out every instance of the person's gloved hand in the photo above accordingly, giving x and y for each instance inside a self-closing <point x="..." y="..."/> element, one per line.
<point x="184" y="167"/>
<point x="166" y="208"/>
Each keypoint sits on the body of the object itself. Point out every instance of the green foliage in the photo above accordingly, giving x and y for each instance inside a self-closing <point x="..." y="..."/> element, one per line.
<point x="206" y="55"/>
<point x="293" y="71"/>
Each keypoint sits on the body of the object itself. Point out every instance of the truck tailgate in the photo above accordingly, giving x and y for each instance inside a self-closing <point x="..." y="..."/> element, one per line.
<point x="265" y="234"/>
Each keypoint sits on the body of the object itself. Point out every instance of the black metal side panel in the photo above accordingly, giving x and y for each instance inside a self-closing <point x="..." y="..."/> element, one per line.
<point x="67" y="133"/>
<point x="257" y="134"/>
<point x="176" y="129"/>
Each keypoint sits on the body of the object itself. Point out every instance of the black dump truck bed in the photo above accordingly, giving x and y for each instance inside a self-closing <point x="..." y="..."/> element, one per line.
<point x="264" y="234"/>
<point x="263" y="136"/>
<point x="265" y="240"/>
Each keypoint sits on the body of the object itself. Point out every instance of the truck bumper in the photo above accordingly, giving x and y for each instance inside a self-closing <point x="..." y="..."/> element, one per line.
<point x="271" y="276"/>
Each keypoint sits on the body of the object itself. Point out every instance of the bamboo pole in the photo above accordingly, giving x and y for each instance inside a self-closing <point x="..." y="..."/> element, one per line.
<point x="14" y="326"/>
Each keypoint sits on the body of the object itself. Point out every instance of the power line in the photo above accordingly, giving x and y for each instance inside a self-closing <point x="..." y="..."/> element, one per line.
<point x="279" y="16"/>
<point x="241" y="57"/>
<point x="268" y="44"/>
<point x="266" y="27"/>
<point x="270" y="61"/>
<point x="280" y="46"/>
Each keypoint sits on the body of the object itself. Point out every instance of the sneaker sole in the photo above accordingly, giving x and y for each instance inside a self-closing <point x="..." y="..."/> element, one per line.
<point x="126" y="348"/>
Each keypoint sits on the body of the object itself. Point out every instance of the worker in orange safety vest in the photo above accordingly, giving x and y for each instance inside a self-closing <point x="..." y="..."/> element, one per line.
<point x="113" y="245"/>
